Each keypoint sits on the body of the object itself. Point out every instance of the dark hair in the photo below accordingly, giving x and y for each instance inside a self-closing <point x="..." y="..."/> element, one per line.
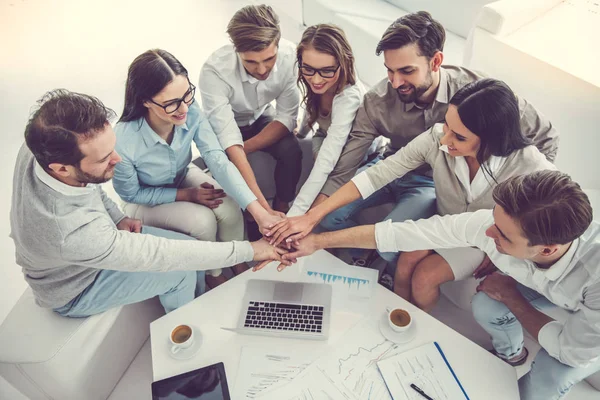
<point x="419" y="28"/>
<point x="548" y="205"/>
<point x="254" y="28"/>
<point x="62" y="119"/>
<point x="329" y="39"/>
<point x="148" y="74"/>
<point x="490" y="110"/>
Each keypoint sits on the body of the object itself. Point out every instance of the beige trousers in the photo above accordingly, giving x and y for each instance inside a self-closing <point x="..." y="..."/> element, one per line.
<point x="222" y="224"/>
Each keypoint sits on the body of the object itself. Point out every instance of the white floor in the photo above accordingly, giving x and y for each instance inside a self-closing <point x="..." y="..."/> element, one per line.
<point x="86" y="46"/>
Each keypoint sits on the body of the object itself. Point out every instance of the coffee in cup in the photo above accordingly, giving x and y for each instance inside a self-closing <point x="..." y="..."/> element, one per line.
<point x="182" y="337"/>
<point x="399" y="320"/>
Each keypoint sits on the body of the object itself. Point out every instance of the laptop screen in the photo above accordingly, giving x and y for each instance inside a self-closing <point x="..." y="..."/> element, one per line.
<point x="208" y="383"/>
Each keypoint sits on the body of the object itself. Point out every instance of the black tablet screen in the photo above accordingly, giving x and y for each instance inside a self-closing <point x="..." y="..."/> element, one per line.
<point x="208" y="383"/>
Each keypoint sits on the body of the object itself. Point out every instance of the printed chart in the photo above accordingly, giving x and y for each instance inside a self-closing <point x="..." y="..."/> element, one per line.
<point x="277" y="368"/>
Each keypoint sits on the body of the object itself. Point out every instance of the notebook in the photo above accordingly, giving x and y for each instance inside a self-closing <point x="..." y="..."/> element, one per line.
<point x="425" y="367"/>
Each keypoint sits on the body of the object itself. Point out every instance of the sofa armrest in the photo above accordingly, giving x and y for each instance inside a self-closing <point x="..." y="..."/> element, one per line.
<point x="506" y="16"/>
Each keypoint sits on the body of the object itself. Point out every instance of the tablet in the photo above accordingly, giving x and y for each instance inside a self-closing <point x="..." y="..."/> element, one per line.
<point x="208" y="383"/>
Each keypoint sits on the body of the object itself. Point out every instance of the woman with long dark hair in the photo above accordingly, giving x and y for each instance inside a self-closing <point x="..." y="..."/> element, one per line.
<point x="332" y="95"/>
<point x="479" y="145"/>
<point x="156" y="178"/>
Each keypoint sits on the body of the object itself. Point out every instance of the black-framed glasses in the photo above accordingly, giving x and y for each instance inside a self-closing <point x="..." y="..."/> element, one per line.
<point x="324" y="72"/>
<point x="172" y="106"/>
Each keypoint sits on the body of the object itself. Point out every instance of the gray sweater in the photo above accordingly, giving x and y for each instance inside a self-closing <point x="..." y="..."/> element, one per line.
<point x="65" y="235"/>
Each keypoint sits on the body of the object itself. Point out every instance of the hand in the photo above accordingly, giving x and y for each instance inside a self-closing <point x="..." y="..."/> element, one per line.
<point x="303" y="247"/>
<point x="276" y="213"/>
<point x="267" y="219"/>
<point x="267" y="253"/>
<point x="499" y="287"/>
<point x="206" y="195"/>
<point x="299" y="227"/>
<point x="130" y="225"/>
<point x="485" y="268"/>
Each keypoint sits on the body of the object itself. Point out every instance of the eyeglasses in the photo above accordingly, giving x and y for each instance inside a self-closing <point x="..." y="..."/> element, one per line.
<point x="325" y="73"/>
<point x="188" y="98"/>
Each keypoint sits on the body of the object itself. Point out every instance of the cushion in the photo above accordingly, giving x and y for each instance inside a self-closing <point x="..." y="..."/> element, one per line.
<point x="457" y="16"/>
<point x="47" y="356"/>
<point x="506" y="16"/>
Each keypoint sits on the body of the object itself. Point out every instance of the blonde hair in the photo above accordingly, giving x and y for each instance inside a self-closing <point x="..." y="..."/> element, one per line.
<point x="254" y="28"/>
<point x="329" y="39"/>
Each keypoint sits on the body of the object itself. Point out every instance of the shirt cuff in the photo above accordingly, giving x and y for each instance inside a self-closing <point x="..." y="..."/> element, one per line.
<point x="548" y="337"/>
<point x="169" y="195"/>
<point x="384" y="237"/>
<point x="364" y="185"/>
<point x="244" y="251"/>
<point x="290" y="123"/>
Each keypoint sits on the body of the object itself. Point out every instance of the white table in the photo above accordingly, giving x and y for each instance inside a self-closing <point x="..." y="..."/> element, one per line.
<point x="482" y="375"/>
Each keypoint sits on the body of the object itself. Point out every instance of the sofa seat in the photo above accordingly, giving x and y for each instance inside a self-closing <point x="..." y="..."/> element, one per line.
<point x="46" y="356"/>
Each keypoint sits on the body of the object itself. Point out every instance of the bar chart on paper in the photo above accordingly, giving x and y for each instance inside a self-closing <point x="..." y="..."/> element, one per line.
<point x="348" y="280"/>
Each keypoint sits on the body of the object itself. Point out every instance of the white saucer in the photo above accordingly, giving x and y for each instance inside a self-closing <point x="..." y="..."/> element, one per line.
<point x="190" y="352"/>
<point x="393" y="336"/>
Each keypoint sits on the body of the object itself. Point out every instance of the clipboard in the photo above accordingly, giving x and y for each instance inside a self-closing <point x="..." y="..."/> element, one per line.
<point x="426" y="367"/>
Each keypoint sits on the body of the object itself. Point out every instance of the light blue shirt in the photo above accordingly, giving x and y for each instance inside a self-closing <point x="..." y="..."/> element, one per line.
<point x="151" y="169"/>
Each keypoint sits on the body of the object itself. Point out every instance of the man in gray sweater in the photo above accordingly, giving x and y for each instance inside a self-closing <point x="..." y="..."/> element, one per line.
<point x="79" y="253"/>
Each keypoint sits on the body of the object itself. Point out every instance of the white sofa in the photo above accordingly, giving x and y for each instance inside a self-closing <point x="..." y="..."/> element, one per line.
<point x="546" y="50"/>
<point x="46" y="356"/>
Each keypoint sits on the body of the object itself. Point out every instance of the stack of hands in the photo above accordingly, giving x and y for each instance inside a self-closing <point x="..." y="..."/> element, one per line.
<point x="285" y="240"/>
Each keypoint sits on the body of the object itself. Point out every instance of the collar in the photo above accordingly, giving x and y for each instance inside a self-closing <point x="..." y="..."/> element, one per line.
<point x="441" y="95"/>
<point x="559" y="267"/>
<point x="59" y="186"/>
<point x="151" y="138"/>
<point x="246" y="77"/>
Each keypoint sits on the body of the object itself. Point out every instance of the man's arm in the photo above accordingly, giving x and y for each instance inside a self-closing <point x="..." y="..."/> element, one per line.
<point x="271" y="134"/>
<point x="362" y="135"/>
<point x="450" y="231"/>
<point x="215" y="100"/>
<point x="97" y="244"/>
<point x="576" y="342"/>
<point x="238" y="157"/>
<point x="503" y="288"/>
<point x="111" y="208"/>
<point x="539" y="130"/>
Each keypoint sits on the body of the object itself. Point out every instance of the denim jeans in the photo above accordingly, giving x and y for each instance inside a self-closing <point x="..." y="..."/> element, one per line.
<point x="413" y="194"/>
<point x="548" y="378"/>
<point x="116" y="288"/>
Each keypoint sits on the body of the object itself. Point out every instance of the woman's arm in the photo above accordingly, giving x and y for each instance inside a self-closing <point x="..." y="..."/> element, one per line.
<point x="343" y="112"/>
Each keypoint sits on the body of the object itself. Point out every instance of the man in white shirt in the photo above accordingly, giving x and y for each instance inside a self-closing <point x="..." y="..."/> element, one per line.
<point x="542" y="239"/>
<point x="238" y="82"/>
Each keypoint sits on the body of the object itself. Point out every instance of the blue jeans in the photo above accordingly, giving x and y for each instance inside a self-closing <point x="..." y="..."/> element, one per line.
<point x="116" y="288"/>
<point x="413" y="194"/>
<point x="548" y="378"/>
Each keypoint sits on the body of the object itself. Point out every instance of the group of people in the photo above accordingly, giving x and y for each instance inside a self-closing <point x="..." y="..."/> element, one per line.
<point x="467" y="163"/>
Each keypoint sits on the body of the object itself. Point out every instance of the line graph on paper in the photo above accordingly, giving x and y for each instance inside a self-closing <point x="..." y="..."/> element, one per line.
<point x="353" y="364"/>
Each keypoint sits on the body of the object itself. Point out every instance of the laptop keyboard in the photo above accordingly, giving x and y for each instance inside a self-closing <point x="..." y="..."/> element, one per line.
<point x="284" y="317"/>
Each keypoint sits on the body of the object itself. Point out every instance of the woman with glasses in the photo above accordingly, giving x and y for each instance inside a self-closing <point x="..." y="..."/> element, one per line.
<point x="332" y="95"/>
<point x="156" y="178"/>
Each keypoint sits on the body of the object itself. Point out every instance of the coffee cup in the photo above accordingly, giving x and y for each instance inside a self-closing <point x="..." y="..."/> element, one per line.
<point x="182" y="337"/>
<point x="399" y="320"/>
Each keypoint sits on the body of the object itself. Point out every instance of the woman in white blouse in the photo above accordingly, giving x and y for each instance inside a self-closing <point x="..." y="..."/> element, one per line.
<point x="479" y="145"/>
<point x="332" y="95"/>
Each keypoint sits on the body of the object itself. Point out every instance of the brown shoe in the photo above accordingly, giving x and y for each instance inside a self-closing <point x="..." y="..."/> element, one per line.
<point x="515" y="362"/>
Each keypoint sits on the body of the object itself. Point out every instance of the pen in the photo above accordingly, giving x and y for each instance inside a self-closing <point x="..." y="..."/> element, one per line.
<point x="418" y="390"/>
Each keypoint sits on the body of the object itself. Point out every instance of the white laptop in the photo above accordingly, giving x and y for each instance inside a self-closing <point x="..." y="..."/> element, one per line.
<point x="286" y="309"/>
